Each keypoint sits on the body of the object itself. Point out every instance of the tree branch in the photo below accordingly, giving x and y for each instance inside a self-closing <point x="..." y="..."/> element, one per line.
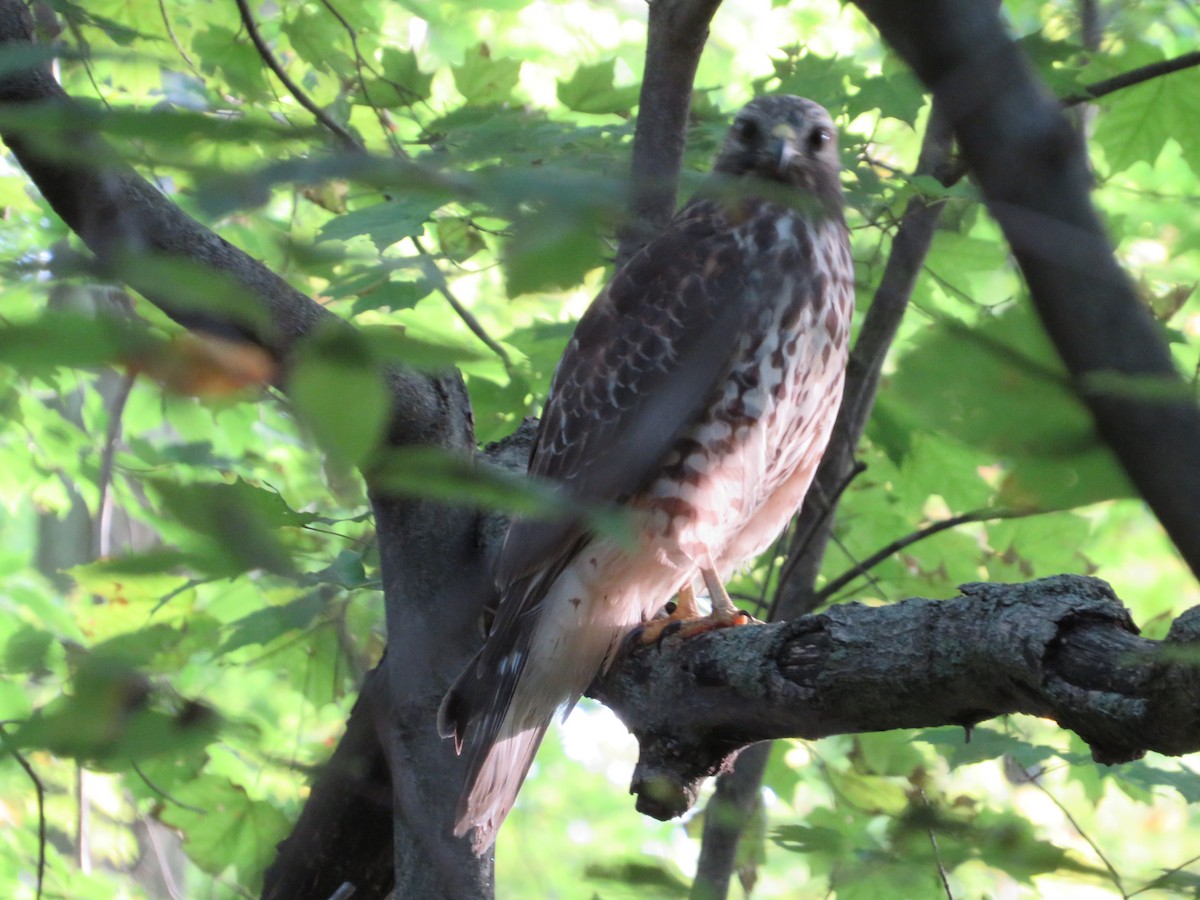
<point x="322" y="852"/>
<point x="674" y="41"/>
<point x="1132" y="78"/>
<point x="830" y="588"/>
<point x="1062" y="648"/>
<point x="347" y="140"/>
<point x="1032" y="171"/>
<point x="123" y="220"/>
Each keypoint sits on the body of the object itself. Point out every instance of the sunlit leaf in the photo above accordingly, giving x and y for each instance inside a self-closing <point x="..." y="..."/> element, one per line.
<point x="384" y="223"/>
<point x="239" y="524"/>
<point x="264" y="625"/>
<point x="223" y="826"/>
<point x="340" y="393"/>
<point x="482" y="79"/>
<point x="590" y="90"/>
<point x="1017" y="403"/>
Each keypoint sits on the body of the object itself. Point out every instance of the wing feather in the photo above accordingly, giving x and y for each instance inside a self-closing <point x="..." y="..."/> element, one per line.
<point x="642" y="366"/>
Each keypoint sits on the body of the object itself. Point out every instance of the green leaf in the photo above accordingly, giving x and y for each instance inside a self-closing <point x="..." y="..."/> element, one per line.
<point x="549" y="252"/>
<point x="590" y="90"/>
<point x="1056" y="61"/>
<point x="339" y="392"/>
<point x="402" y="83"/>
<point x="896" y="93"/>
<point x="346" y="571"/>
<point x="389" y="344"/>
<point x="222" y="827"/>
<point x="230" y="56"/>
<point x="238" y="522"/>
<point x="822" y="78"/>
<point x="316" y="36"/>
<point x="1137" y="122"/>
<point x="650" y="879"/>
<point x="107" y="718"/>
<point x="483" y="80"/>
<point x="72" y="340"/>
<point x="457" y="239"/>
<point x="1017" y="403"/>
<point x="437" y="474"/>
<point x="27" y="651"/>
<point x="265" y="625"/>
<point x="384" y="223"/>
<point x="392" y="295"/>
<point x="984" y="743"/>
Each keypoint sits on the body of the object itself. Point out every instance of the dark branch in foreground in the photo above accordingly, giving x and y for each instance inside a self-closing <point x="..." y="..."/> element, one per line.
<point x="1031" y="168"/>
<point x="321" y="854"/>
<point x="675" y="39"/>
<point x="1063" y="648"/>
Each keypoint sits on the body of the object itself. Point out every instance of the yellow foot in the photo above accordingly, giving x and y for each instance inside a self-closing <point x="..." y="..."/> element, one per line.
<point x="685" y="620"/>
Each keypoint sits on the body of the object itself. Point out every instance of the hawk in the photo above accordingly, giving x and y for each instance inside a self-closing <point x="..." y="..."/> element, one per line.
<point x="699" y="391"/>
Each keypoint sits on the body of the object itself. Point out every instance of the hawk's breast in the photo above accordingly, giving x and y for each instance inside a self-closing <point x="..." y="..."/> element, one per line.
<point x="731" y="482"/>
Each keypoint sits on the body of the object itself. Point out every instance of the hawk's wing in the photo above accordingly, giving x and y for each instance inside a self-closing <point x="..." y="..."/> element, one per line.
<point x="641" y="367"/>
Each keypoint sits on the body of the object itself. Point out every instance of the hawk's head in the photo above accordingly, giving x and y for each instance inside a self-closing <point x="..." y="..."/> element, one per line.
<point x="784" y="139"/>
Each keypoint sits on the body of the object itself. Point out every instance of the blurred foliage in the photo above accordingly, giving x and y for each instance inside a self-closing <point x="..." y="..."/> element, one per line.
<point x="190" y="582"/>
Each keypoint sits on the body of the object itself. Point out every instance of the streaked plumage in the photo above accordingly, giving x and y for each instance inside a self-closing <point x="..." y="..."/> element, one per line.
<point x="700" y="388"/>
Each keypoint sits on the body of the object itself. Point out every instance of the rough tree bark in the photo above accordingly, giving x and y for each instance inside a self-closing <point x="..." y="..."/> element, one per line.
<point x="1060" y="638"/>
<point x="1063" y="648"/>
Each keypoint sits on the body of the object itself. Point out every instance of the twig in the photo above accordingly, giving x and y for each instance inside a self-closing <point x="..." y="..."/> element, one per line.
<point x="1092" y="92"/>
<point x="352" y="143"/>
<point x="980" y="515"/>
<point x="937" y="853"/>
<point x="1112" y="872"/>
<point x="162" y="9"/>
<point x="443" y="287"/>
<point x="348" y="140"/>
<point x="1132" y="78"/>
<point x="798" y="551"/>
<point x="156" y="789"/>
<point x="1153" y="885"/>
<point x="83" y="823"/>
<point x="101" y="540"/>
<point x="40" y="789"/>
<point x="160" y="857"/>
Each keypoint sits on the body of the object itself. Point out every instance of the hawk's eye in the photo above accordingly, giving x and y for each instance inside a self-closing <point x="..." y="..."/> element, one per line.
<point x="818" y="138"/>
<point x="747" y="131"/>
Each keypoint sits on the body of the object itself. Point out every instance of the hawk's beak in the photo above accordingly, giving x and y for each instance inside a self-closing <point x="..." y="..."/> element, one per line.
<point x="784" y="147"/>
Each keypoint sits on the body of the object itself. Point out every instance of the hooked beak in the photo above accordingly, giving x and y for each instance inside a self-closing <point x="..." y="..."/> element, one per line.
<point x="784" y="146"/>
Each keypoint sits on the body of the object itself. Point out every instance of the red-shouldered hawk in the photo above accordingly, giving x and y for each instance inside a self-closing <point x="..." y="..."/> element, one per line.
<point x="699" y="390"/>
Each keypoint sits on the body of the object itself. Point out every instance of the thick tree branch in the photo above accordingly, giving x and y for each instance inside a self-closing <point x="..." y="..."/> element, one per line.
<point x="322" y="853"/>
<point x="1032" y="170"/>
<point x="1063" y="648"/>
<point x="674" y="41"/>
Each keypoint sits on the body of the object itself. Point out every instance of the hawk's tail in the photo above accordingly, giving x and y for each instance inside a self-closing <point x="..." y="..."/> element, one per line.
<point x="500" y="752"/>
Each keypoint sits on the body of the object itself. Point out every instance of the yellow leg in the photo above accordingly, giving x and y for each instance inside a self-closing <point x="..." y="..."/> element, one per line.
<point x="686" y="620"/>
<point x="723" y="610"/>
